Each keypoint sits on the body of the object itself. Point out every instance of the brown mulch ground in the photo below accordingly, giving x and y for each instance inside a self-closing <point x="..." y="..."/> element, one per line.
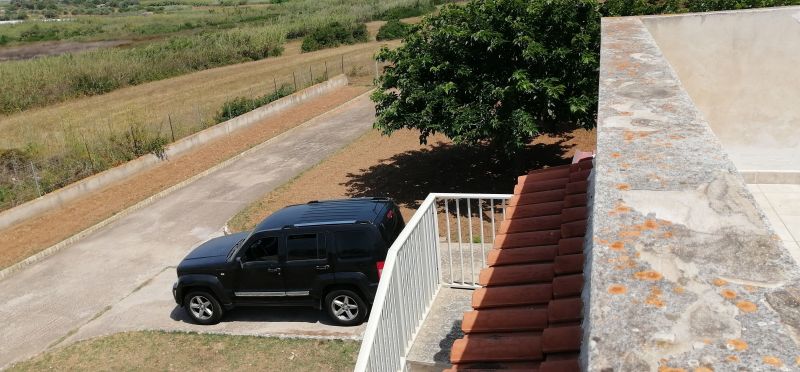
<point x="33" y="235"/>
<point x="400" y="168"/>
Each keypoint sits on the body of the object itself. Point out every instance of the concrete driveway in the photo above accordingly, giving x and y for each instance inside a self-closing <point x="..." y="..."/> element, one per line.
<point x="120" y="277"/>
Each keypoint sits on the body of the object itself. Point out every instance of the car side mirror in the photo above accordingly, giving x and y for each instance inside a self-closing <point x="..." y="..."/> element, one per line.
<point x="241" y="263"/>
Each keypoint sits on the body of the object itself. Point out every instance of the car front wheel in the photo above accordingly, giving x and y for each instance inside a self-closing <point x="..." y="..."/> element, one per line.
<point x="203" y="308"/>
<point x="346" y="307"/>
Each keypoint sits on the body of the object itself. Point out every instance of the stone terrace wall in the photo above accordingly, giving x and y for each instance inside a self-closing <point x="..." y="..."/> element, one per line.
<point x="683" y="270"/>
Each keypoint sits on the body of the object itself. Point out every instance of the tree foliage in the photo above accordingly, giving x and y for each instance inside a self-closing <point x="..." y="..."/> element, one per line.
<point x="494" y="70"/>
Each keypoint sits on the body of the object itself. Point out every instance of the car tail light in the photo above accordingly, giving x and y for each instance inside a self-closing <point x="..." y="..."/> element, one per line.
<point x="379" y="265"/>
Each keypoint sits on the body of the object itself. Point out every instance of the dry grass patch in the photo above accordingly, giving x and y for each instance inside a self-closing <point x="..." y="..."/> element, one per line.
<point x="163" y="351"/>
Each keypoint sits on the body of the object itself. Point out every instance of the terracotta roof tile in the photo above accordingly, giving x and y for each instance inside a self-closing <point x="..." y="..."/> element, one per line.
<point x="570" y="246"/>
<point x="568" y="264"/>
<point x="535" y="210"/>
<point x="500" y="347"/>
<point x="527" y="239"/>
<point x="552" y="222"/>
<point x="531" y="294"/>
<point x="568" y="285"/>
<point x="538" y="197"/>
<point x="500" y="257"/>
<point x="517" y="274"/>
<point x="527" y="316"/>
<point x="512" y="319"/>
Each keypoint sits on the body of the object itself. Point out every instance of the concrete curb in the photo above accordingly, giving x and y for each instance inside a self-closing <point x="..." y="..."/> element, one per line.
<point x="80" y="235"/>
<point x="87" y="185"/>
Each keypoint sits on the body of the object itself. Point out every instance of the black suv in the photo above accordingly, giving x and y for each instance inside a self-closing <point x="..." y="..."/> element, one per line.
<point x="323" y="254"/>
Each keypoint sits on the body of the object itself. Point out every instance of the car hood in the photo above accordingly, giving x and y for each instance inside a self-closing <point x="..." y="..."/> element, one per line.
<point x="216" y="247"/>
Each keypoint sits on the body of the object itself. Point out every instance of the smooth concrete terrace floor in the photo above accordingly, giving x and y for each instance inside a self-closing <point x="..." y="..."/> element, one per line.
<point x="781" y="204"/>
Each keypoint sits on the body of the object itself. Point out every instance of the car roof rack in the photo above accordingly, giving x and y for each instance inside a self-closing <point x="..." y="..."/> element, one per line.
<point x="322" y="223"/>
<point x="350" y="199"/>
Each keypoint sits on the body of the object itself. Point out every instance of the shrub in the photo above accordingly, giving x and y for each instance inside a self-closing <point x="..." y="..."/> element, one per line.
<point x="46" y="80"/>
<point x="334" y="34"/>
<point x="393" y="29"/>
<point x="242" y="105"/>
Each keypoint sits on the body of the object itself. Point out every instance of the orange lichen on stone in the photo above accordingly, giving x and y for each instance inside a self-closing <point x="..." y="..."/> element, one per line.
<point x="720" y="282"/>
<point x="617" y="245"/>
<point x="707" y="341"/>
<point x="703" y="369"/>
<point x="746" y="306"/>
<point x="737" y="344"/>
<point x="623" y="187"/>
<point x="625" y="165"/>
<point x="750" y="288"/>
<point x="797" y="361"/>
<point x="622" y="208"/>
<point x="729" y="294"/>
<point x="732" y="358"/>
<point x="615" y="155"/>
<point x="629" y="234"/>
<point x="773" y="361"/>
<point x="650" y="224"/>
<point x="648" y="275"/>
<point x="679" y="290"/>
<point x="670" y="369"/>
<point x="654" y="298"/>
<point x="617" y="289"/>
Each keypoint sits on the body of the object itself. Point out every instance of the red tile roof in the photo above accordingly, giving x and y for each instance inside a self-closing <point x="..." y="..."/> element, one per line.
<point x="528" y="313"/>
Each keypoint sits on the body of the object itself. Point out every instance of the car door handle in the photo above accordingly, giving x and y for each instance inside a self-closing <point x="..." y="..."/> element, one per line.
<point x="323" y="267"/>
<point x="274" y="270"/>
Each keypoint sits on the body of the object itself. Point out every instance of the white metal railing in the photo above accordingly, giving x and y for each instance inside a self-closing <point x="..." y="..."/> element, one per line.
<point x="419" y="262"/>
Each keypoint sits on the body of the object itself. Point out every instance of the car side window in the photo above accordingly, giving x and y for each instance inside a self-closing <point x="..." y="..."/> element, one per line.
<point x="304" y="247"/>
<point x="263" y="249"/>
<point x="353" y="243"/>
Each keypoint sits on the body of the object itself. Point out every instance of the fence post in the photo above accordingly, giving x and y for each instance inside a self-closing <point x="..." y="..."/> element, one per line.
<point x="376" y="69"/>
<point x="171" y="129"/>
<point x="294" y="78"/>
<point x="274" y="84"/>
<point x="88" y="152"/>
<point x="35" y="179"/>
<point x="326" y="70"/>
<point x="311" y="74"/>
<point x="342" y="63"/>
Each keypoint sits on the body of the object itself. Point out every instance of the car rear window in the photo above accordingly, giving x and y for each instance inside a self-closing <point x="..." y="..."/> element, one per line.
<point x="354" y="243"/>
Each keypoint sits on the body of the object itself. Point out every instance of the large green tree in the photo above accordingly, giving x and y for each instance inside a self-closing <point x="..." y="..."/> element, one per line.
<point x="501" y="71"/>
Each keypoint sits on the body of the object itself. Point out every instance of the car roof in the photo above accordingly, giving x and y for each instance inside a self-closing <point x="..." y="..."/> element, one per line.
<point x="326" y="212"/>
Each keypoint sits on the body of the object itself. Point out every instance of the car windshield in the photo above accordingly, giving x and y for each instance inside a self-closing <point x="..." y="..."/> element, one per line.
<point x="236" y="246"/>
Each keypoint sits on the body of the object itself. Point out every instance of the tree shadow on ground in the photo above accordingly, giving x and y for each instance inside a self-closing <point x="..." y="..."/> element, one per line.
<point x="410" y="176"/>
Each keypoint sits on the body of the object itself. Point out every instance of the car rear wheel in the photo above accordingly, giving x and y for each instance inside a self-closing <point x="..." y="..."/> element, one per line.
<point x="203" y="308"/>
<point x="346" y="307"/>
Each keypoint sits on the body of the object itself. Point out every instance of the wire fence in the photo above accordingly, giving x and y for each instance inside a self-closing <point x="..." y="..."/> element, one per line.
<point x="73" y="153"/>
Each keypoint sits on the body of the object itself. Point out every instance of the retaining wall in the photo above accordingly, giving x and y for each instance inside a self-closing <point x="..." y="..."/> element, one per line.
<point x="84" y="187"/>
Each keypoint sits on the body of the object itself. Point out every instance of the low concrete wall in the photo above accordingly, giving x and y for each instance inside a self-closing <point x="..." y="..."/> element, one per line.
<point x="81" y="188"/>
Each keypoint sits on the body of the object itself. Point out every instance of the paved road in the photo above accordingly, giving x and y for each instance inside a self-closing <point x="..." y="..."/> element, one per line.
<point x="120" y="277"/>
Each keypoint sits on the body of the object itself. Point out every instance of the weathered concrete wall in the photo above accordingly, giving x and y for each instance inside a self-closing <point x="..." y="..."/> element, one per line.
<point x="84" y="187"/>
<point x="683" y="270"/>
<point x="742" y="70"/>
